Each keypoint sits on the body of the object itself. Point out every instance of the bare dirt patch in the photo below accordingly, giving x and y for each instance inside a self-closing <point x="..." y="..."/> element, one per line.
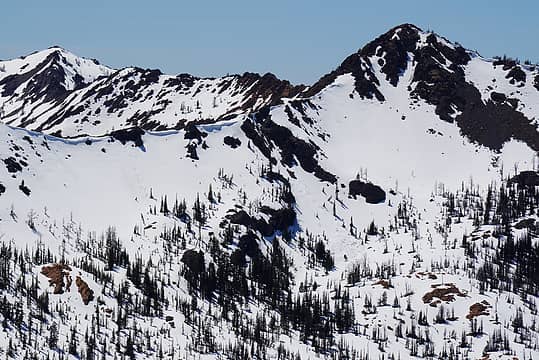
<point x="445" y="292"/>
<point x="478" y="309"/>
<point x="59" y="277"/>
<point x="85" y="292"/>
<point x="384" y="283"/>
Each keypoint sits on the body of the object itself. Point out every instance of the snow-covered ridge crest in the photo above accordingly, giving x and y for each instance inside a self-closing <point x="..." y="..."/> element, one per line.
<point x="57" y="92"/>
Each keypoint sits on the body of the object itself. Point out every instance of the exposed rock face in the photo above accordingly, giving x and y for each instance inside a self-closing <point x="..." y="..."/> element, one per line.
<point x="439" y="79"/>
<point x="366" y="82"/>
<point x="373" y="194"/>
<point x="111" y="99"/>
<point x="133" y="135"/>
<point x="47" y="82"/>
<point x="232" y="142"/>
<point x="265" y="133"/>
<point x="267" y="86"/>
<point x="498" y="97"/>
<point x="393" y="47"/>
<point x="436" y="84"/>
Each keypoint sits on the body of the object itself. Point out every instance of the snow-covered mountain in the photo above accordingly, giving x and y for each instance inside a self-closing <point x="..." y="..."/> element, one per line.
<point x="57" y="92"/>
<point x="387" y="211"/>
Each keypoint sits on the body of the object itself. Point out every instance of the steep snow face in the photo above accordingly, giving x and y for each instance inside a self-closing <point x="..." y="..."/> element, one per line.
<point x="57" y="57"/>
<point x="32" y="85"/>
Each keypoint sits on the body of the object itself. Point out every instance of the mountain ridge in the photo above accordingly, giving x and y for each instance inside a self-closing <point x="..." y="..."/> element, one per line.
<point x="439" y="80"/>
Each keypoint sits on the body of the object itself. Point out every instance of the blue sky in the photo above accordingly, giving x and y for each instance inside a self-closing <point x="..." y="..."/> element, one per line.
<point x="297" y="40"/>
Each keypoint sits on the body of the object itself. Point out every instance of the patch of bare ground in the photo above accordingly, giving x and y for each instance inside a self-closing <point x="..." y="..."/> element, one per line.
<point x="384" y="283"/>
<point x="445" y="292"/>
<point x="86" y="293"/>
<point x="59" y="277"/>
<point x="478" y="309"/>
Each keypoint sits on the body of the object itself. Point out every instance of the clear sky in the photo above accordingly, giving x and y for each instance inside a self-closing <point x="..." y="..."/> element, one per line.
<point x="295" y="39"/>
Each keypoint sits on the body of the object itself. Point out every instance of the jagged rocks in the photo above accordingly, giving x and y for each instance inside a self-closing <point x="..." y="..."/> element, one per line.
<point x="291" y="147"/>
<point x="536" y="82"/>
<point x="437" y="85"/>
<point x="366" y="83"/>
<point x="47" y="82"/>
<point x="393" y="47"/>
<point x="490" y="123"/>
<point x="252" y="134"/>
<point x="267" y="86"/>
<point x="242" y="218"/>
<point x="281" y="219"/>
<point x="373" y="194"/>
<point x="516" y="74"/>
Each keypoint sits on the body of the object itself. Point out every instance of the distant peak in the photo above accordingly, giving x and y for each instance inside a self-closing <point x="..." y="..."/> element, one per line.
<point x="406" y="26"/>
<point x="56" y="47"/>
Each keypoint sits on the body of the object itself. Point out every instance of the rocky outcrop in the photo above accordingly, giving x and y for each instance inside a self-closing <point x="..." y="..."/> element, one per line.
<point x="133" y="135"/>
<point x="266" y="134"/>
<point x="393" y="48"/>
<point x="373" y="194"/>
<point x="279" y="220"/>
